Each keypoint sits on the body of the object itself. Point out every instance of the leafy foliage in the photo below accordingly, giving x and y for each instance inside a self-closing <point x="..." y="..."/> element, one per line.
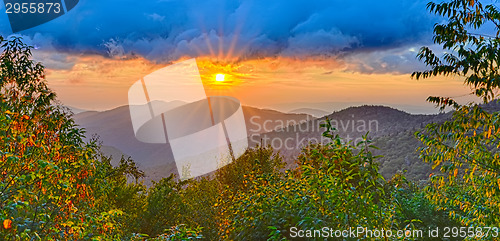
<point x="45" y="165"/>
<point x="466" y="151"/>
<point x="336" y="185"/>
<point x="468" y="54"/>
<point x="465" y="148"/>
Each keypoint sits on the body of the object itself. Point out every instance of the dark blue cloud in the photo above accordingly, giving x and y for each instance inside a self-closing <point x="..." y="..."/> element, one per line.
<point x="164" y="30"/>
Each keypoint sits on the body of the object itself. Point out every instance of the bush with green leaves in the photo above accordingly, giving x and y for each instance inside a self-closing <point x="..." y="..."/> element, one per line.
<point x="47" y="171"/>
<point x="465" y="148"/>
<point x="176" y="233"/>
<point x="336" y="185"/>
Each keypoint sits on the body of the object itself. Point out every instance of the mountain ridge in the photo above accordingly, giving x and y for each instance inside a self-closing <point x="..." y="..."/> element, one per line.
<point x="390" y="129"/>
<point x="114" y="128"/>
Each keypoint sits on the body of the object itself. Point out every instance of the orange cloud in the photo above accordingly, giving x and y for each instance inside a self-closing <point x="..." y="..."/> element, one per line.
<point x="98" y="82"/>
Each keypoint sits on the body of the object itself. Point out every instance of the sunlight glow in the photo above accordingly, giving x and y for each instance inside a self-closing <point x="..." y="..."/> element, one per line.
<point x="219" y="77"/>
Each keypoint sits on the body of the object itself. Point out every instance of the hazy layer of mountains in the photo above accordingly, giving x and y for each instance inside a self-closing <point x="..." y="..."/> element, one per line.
<point x="391" y="130"/>
<point x="115" y="131"/>
<point x="329" y="107"/>
<point x="310" y="111"/>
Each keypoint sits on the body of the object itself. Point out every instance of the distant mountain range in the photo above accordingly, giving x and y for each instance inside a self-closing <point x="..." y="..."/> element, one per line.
<point x="390" y="129"/>
<point x="351" y="124"/>
<point x="310" y="111"/>
<point x="114" y="128"/>
<point x="330" y="107"/>
<point x="76" y="110"/>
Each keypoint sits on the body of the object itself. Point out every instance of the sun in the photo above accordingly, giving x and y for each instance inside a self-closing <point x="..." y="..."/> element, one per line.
<point x="219" y="77"/>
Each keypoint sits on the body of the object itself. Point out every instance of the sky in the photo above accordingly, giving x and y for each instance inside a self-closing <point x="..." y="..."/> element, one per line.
<point x="272" y="52"/>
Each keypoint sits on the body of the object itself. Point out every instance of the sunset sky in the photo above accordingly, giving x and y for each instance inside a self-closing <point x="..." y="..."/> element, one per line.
<point x="272" y="52"/>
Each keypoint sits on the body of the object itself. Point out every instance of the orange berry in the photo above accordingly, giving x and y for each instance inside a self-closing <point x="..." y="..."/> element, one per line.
<point x="7" y="223"/>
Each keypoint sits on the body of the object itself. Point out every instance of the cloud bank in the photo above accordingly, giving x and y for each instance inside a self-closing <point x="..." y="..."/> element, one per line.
<point x="166" y="30"/>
